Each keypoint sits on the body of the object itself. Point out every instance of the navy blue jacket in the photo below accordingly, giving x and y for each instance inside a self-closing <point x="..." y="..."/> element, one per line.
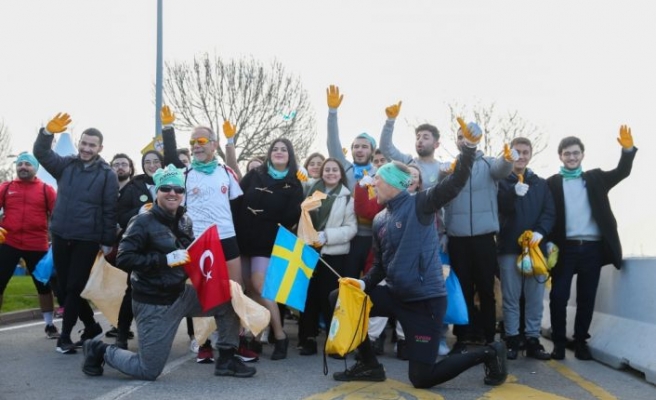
<point x="86" y="196"/>
<point x="535" y="211"/>
<point x="405" y="244"/>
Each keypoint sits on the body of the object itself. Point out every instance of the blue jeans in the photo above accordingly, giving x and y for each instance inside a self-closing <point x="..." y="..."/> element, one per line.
<point x="584" y="260"/>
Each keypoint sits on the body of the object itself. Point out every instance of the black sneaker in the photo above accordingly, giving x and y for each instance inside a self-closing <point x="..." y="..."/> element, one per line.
<point x="65" y="345"/>
<point x="94" y="357"/>
<point x="51" y="332"/>
<point x="582" y="352"/>
<point x="496" y="370"/>
<point x="112" y="332"/>
<point x="361" y="372"/>
<point x="458" y="348"/>
<point x="558" y="352"/>
<point x="309" y="347"/>
<point x="89" y="333"/>
<point x="512" y="347"/>
<point x="233" y="367"/>
<point x="535" y="350"/>
<point x="280" y="349"/>
<point x="379" y="344"/>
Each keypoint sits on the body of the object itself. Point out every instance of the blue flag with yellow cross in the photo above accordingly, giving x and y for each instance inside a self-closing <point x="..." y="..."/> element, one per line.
<point x="290" y="269"/>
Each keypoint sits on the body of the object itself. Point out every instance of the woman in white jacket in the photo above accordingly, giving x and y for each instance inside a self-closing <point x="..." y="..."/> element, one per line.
<point x="336" y="225"/>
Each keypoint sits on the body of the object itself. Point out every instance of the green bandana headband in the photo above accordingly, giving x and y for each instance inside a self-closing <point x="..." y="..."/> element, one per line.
<point x="394" y="176"/>
<point x="169" y="176"/>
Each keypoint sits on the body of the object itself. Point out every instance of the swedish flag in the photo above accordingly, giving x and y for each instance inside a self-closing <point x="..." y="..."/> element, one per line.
<point x="290" y="269"/>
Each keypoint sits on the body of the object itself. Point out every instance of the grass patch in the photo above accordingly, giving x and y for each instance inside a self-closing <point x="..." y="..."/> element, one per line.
<point x="20" y="295"/>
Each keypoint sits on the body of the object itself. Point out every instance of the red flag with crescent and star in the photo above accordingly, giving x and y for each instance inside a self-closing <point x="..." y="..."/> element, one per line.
<point x="208" y="270"/>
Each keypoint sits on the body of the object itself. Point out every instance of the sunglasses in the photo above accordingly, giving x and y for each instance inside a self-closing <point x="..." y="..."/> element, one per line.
<point x="168" y="188"/>
<point x="202" y="141"/>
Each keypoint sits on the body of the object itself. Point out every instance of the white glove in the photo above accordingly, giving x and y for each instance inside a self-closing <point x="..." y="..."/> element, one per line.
<point x="322" y="238"/>
<point x="536" y="238"/>
<point x="514" y="155"/>
<point x="177" y="258"/>
<point x="476" y="133"/>
<point x="521" y="188"/>
<point x="550" y="247"/>
<point x="366" y="180"/>
<point x="145" y="207"/>
<point x="106" y="249"/>
<point x="359" y="283"/>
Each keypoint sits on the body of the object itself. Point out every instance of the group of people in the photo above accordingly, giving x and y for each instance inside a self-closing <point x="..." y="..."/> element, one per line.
<point x="385" y="218"/>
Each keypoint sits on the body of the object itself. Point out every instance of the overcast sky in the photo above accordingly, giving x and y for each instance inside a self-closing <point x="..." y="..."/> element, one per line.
<point x="570" y="67"/>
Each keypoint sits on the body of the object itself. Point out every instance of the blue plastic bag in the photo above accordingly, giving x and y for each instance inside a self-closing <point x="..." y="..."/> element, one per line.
<point x="44" y="268"/>
<point x="456" y="309"/>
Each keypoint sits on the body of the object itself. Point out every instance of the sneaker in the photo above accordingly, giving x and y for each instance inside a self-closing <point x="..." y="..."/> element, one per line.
<point x="65" y="345"/>
<point x="582" y="351"/>
<point x="496" y="370"/>
<point x="443" y="348"/>
<point x="51" y="332"/>
<point x="94" y="357"/>
<point x="233" y="367"/>
<point x="535" y="350"/>
<point x="512" y="346"/>
<point x="205" y="355"/>
<point x="401" y="350"/>
<point x="112" y="332"/>
<point x="193" y="346"/>
<point x="59" y="312"/>
<point x="361" y="372"/>
<point x="121" y="344"/>
<point x="89" y="333"/>
<point x="558" y="352"/>
<point x="309" y="347"/>
<point x="458" y="348"/>
<point x="245" y="354"/>
<point x="379" y="344"/>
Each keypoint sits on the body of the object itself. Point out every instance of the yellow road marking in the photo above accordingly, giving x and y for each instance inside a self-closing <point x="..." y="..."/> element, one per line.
<point x="594" y="390"/>
<point x="388" y="390"/>
<point x="511" y="390"/>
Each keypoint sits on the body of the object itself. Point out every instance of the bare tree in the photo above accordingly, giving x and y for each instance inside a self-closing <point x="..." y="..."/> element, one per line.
<point x="498" y="128"/>
<point x="6" y="169"/>
<point x="263" y="102"/>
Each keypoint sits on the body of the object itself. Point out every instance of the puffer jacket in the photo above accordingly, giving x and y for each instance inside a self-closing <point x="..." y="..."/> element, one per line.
<point x="405" y="238"/>
<point x="86" y="195"/>
<point x="133" y="196"/>
<point x="474" y="211"/>
<point x="148" y="239"/>
<point x="341" y="225"/>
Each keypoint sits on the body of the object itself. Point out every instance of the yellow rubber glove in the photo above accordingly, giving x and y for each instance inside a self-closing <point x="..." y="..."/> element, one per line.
<point x="333" y="96"/>
<point x="59" y="123"/>
<point x="302" y="174"/>
<point x="626" y="139"/>
<point x="520" y="178"/>
<point x="469" y="137"/>
<point x="168" y="118"/>
<point x="393" y="110"/>
<point x="229" y="129"/>
<point x="509" y="154"/>
<point x="3" y="235"/>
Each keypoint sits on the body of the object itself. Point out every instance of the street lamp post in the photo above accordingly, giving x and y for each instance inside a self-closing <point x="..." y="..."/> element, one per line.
<point x="158" y="74"/>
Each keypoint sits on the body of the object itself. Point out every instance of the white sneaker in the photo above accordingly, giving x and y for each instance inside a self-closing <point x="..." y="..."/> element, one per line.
<point x="193" y="346"/>
<point x="443" y="349"/>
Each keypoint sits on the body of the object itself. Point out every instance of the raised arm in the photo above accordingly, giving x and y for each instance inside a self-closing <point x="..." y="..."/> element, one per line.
<point x="51" y="161"/>
<point x="334" y="143"/>
<point x="229" y="131"/>
<point x="168" y="139"/>
<point x="386" y="146"/>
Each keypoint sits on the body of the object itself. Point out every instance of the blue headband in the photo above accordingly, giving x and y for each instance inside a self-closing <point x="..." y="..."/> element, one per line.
<point x="393" y="176"/>
<point x="372" y="141"/>
<point x="29" y="158"/>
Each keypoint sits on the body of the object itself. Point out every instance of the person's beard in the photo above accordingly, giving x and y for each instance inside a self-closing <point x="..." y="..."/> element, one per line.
<point x="123" y="178"/>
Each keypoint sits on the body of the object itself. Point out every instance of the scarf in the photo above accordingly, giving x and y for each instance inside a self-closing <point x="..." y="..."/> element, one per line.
<point x="320" y="215"/>
<point x="358" y="170"/>
<point x="571" y="173"/>
<point x="206" y="168"/>
<point x="274" y="173"/>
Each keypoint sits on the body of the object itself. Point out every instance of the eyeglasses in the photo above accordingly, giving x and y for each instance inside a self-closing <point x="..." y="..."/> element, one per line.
<point x="120" y="165"/>
<point x="168" y="188"/>
<point x="202" y="141"/>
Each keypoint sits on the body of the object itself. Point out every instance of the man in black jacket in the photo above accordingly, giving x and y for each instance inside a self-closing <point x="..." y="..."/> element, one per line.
<point x="83" y="221"/>
<point x="586" y="234"/>
<point x="153" y="250"/>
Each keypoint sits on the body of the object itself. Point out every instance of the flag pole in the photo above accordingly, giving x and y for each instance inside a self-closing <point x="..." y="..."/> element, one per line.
<point x="329" y="267"/>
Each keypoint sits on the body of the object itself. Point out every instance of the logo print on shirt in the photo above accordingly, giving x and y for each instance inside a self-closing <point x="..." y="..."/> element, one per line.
<point x="399" y="224"/>
<point x="224" y="189"/>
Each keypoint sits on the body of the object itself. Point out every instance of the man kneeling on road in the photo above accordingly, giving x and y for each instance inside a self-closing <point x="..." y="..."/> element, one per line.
<point x="153" y="249"/>
<point x="405" y="253"/>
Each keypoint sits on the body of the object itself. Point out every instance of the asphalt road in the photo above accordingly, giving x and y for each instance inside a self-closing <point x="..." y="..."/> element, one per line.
<point x="31" y="369"/>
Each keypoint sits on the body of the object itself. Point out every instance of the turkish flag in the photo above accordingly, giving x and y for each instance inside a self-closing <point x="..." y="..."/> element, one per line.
<point x="208" y="270"/>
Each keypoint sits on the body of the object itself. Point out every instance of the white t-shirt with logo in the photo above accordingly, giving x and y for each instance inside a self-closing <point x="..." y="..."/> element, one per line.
<point x="208" y="200"/>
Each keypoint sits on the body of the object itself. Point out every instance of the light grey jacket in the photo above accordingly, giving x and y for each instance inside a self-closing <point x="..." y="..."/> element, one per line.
<point x="475" y="211"/>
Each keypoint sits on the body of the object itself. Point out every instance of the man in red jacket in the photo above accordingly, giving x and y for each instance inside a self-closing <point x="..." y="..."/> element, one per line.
<point x="27" y="203"/>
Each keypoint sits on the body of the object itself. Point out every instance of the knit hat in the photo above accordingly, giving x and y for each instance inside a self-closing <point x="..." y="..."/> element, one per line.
<point x="169" y="176"/>
<point x="394" y="176"/>
<point x="29" y="158"/>
<point x="372" y="141"/>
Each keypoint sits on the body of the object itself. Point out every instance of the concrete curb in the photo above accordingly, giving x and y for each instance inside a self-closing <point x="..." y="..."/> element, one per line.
<point x="20" y="316"/>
